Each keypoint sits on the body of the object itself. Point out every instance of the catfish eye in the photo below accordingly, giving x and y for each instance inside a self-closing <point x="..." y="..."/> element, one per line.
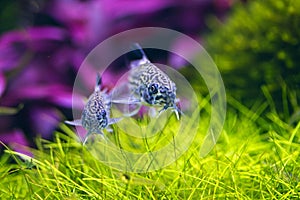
<point x="153" y="89"/>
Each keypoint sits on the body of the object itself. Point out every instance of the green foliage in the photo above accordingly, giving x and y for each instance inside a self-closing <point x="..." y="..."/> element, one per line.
<point x="247" y="163"/>
<point x="256" y="50"/>
<point x="9" y="13"/>
<point x="259" y="45"/>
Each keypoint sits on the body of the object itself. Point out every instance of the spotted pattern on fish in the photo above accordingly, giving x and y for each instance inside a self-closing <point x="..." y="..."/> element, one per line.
<point x="95" y="114"/>
<point x="152" y="85"/>
<point x="148" y="73"/>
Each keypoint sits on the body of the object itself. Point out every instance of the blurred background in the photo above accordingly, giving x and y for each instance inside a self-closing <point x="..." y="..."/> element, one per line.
<point x="255" y="45"/>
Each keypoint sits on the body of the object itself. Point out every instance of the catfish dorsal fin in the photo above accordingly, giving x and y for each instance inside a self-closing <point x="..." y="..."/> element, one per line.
<point x="143" y="60"/>
<point x="98" y="82"/>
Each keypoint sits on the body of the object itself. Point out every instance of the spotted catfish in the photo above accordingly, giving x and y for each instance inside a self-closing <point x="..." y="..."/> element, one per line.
<point x="96" y="113"/>
<point x="150" y="85"/>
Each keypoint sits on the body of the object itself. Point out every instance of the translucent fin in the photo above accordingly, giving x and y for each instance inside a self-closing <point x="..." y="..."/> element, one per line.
<point x="122" y="94"/>
<point x="86" y="137"/>
<point x="152" y="112"/>
<point x="109" y="129"/>
<point x="126" y="101"/>
<point x="104" y="90"/>
<point x="76" y="122"/>
<point x="143" y="60"/>
<point x="137" y="46"/>
<point x="178" y="112"/>
<point x="89" y="133"/>
<point x="98" y="82"/>
<point x="102" y="135"/>
<point x="114" y="120"/>
<point x="133" y="112"/>
<point x="160" y="112"/>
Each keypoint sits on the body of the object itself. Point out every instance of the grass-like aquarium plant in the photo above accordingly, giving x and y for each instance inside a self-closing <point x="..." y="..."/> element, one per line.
<point x="257" y="51"/>
<point x="256" y="157"/>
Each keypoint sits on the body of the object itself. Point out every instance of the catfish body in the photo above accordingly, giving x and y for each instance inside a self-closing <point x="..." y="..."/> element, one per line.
<point x="152" y="86"/>
<point x="96" y="113"/>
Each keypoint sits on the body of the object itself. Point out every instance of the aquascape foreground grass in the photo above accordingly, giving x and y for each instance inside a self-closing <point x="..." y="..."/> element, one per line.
<point x="256" y="157"/>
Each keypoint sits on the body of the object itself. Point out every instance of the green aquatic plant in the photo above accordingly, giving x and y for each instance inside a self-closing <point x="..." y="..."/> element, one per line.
<point x="257" y="46"/>
<point x="247" y="163"/>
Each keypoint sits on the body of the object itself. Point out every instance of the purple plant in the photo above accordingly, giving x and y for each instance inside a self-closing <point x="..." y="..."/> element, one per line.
<point x="38" y="63"/>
